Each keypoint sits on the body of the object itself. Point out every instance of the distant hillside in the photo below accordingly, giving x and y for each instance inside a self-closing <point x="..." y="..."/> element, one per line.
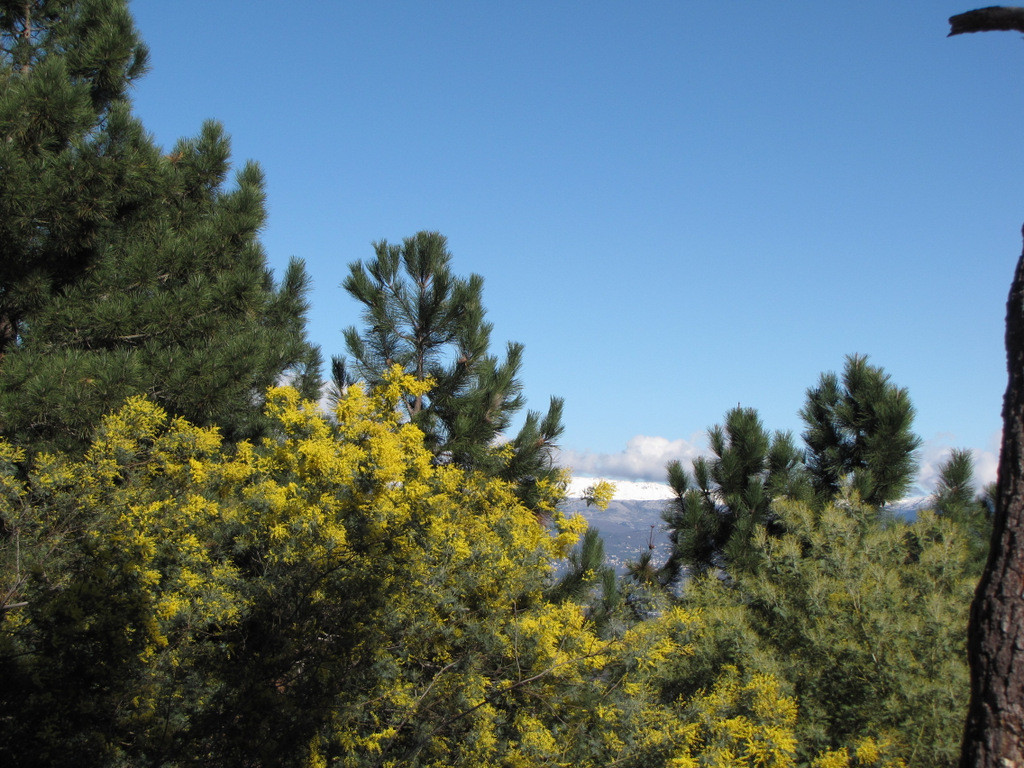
<point x="627" y="527"/>
<point x="633" y="521"/>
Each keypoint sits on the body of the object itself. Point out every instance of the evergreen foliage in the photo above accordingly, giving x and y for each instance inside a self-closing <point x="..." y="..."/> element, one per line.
<point x="859" y="430"/>
<point x="586" y="567"/>
<point x="65" y="69"/>
<point x="863" y="617"/>
<point x="956" y="499"/>
<point x="858" y="436"/>
<point x="419" y="315"/>
<point x="584" y="570"/>
<point x="124" y="270"/>
<point x="328" y="596"/>
<point x="715" y="510"/>
<point x="197" y="568"/>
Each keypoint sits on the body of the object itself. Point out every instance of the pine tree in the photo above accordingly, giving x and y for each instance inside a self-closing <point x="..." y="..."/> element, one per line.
<point x="859" y="431"/>
<point x="124" y="270"/>
<point x="994" y="735"/>
<point x="713" y="515"/>
<point x="71" y="156"/>
<point x="863" y="615"/>
<point x="995" y="718"/>
<point x="329" y="597"/>
<point x="956" y="499"/>
<point x="420" y="316"/>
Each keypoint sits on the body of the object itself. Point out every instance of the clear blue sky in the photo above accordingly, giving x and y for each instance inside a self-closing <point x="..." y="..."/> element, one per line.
<point x="676" y="206"/>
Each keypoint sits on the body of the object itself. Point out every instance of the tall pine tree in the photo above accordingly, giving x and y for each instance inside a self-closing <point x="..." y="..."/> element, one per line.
<point x="713" y="515"/>
<point x="859" y="433"/>
<point x="859" y="430"/>
<point x="955" y="499"/>
<point x="994" y="735"/>
<point x="419" y="315"/>
<point x="124" y="270"/>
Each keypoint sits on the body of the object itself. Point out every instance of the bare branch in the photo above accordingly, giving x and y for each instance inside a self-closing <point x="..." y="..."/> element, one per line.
<point x="992" y="19"/>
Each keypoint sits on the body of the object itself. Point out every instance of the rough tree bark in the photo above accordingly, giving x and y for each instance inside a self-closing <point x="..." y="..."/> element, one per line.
<point x="994" y="735"/>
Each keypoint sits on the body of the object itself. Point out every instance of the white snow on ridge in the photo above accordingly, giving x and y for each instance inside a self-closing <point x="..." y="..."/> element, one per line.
<point x="629" y="490"/>
<point x="625" y="490"/>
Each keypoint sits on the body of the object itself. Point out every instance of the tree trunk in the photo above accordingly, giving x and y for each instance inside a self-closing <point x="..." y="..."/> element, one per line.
<point x="994" y="735"/>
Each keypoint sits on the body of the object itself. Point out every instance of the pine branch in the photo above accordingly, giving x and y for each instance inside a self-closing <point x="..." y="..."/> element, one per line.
<point x="26" y="34"/>
<point x="993" y="18"/>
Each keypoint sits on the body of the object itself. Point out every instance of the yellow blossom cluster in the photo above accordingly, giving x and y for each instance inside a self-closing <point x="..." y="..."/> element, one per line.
<point x="334" y="596"/>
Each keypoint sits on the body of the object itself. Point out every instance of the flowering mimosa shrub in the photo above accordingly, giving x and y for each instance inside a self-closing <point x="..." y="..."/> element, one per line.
<point x="333" y="595"/>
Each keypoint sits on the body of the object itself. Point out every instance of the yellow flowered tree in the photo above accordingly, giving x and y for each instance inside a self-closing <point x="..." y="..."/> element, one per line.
<point x="330" y="596"/>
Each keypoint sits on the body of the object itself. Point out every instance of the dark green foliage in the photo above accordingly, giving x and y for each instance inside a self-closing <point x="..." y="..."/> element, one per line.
<point x="586" y="568"/>
<point x="956" y="500"/>
<point x="858" y="434"/>
<point x="859" y="431"/>
<point x="341" y="380"/>
<point x="93" y="41"/>
<point x="713" y="516"/>
<point x="71" y="156"/>
<point x="122" y="270"/>
<point x="865" y="618"/>
<point x="420" y="316"/>
<point x="643" y="570"/>
<point x="607" y="607"/>
<point x="955" y="489"/>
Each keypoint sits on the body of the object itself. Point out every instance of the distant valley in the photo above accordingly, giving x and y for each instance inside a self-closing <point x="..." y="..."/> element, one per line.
<point x="628" y="529"/>
<point x="629" y="526"/>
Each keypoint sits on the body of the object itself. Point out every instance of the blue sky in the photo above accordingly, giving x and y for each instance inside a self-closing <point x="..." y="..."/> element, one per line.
<point x="676" y="206"/>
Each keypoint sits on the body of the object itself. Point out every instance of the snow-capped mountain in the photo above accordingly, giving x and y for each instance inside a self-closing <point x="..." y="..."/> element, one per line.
<point x="632" y="522"/>
<point x="624" y="489"/>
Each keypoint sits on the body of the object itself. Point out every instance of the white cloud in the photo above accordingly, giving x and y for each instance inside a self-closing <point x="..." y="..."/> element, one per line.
<point x="987" y="462"/>
<point x="644" y="458"/>
<point x="935" y="451"/>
